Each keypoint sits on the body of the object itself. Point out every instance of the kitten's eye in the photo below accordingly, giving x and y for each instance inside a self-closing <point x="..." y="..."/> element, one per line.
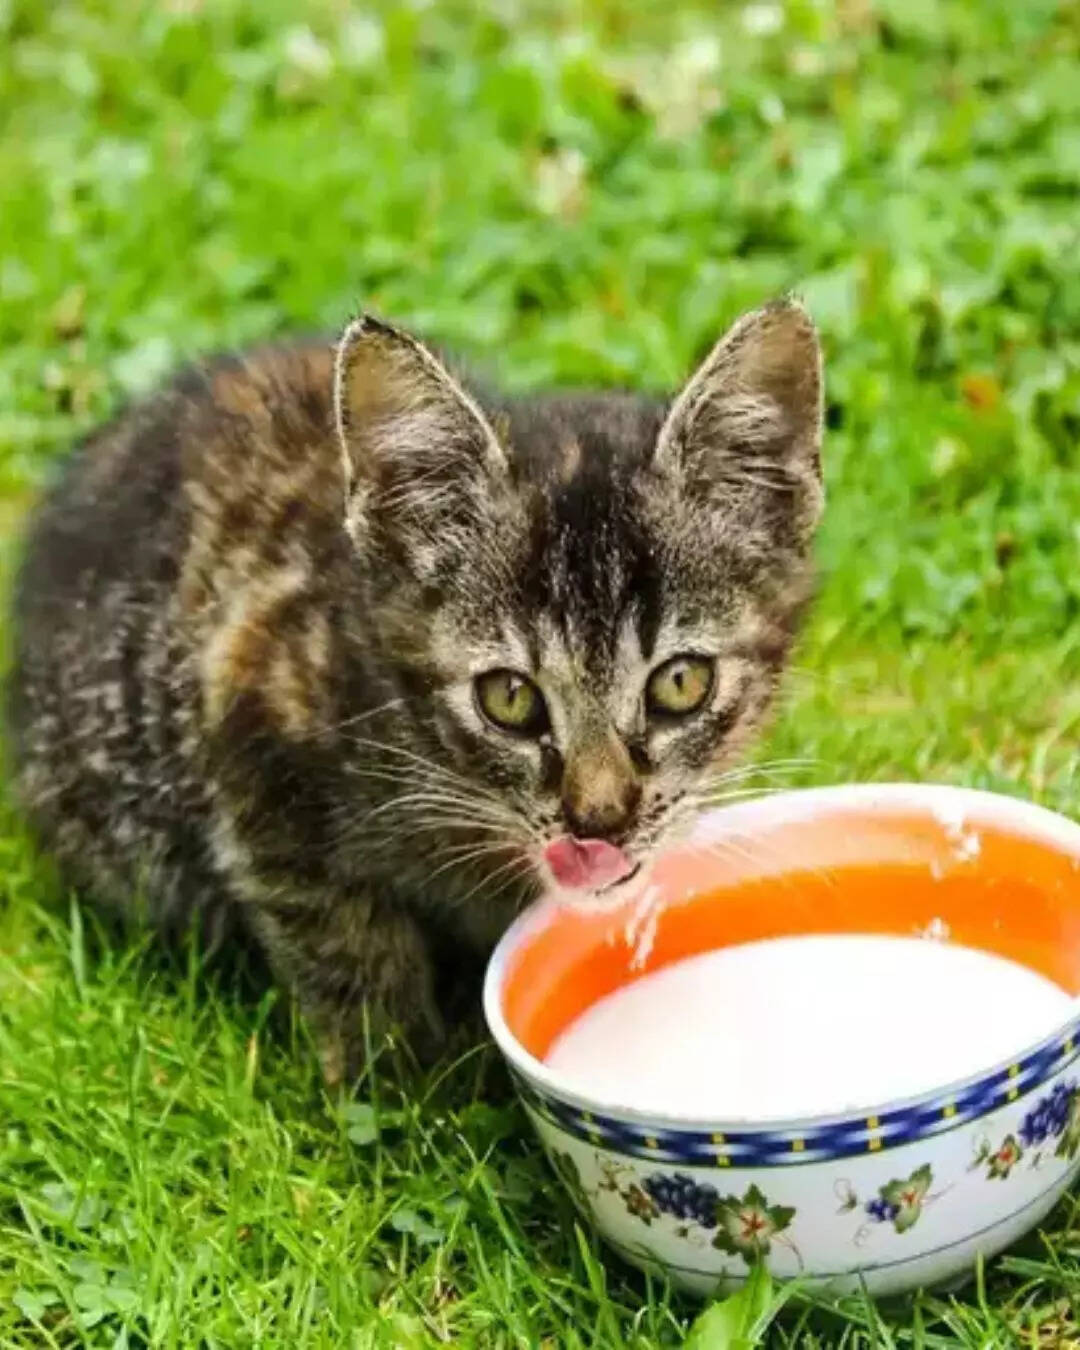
<point x="512" y="702"/>
<point x="680" y="686"/>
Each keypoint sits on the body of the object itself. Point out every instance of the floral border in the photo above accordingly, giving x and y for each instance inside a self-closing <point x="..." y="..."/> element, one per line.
<point x="747" y="1226"/>
<point x="842" y="1138"/>
<point x="864" y="1268"/>
<point x="743" y="1226"/>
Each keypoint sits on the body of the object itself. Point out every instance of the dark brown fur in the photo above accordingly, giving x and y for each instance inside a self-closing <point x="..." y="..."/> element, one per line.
<point x="250" y="612"/>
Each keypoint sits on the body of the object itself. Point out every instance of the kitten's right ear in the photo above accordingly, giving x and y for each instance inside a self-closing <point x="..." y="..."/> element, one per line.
<point x="412" y="440"/>
<point x="751" y="416"/>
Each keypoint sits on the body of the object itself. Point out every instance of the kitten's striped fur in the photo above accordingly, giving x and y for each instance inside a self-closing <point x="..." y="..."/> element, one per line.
<point x="250" y="614"/>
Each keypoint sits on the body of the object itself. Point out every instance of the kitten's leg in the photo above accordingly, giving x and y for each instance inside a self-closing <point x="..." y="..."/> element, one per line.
<point x="355" y="968"/>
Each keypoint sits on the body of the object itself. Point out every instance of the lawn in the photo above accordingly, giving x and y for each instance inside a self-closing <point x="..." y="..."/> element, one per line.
<point x="566" y="193"/>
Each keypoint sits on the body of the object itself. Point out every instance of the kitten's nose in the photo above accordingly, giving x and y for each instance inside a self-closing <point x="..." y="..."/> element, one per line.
<point x="600" y="791"/>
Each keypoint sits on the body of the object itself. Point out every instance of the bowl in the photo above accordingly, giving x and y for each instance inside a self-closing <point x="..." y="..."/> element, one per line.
<point x="907" y="1193"/>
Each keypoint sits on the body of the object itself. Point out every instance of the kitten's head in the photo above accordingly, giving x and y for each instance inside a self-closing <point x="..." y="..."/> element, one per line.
<point x="590" y="597"/>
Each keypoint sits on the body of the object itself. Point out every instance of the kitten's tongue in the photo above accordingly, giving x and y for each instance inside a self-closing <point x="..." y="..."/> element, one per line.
<point x="580" y="863"/>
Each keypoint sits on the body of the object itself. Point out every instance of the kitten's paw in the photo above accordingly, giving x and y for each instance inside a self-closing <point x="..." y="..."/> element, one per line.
<point x="333" y="1059"/>
<point x="344" y="1056"/>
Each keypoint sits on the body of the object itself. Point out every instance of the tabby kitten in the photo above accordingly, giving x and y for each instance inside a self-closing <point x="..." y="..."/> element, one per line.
<point x="325" y="650"/>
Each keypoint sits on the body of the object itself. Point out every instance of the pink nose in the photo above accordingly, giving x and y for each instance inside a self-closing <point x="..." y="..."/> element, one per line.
<point x="582" y="863"/>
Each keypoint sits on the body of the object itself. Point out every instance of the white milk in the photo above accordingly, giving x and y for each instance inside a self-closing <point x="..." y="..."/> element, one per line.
<point x="806" y="1025"/>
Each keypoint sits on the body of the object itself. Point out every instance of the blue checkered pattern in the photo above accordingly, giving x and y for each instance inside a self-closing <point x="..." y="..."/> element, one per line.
<point x="840" y="1139"/>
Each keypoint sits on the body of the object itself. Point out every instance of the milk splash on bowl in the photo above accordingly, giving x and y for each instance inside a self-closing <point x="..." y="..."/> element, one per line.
<point x="802" y="1026"/>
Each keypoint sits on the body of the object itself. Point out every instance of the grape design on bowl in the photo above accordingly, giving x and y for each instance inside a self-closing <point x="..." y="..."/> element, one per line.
<point x="1052" y="1125"/>
<point x="682" y="1197"/>
<point x="1048" y="1117"/>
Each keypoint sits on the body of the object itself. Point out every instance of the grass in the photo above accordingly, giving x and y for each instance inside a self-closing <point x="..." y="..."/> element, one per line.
<point x="586" y="193"/>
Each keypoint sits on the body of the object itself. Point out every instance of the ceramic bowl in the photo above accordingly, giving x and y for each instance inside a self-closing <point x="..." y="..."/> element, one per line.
<point x="906" y="1194"/>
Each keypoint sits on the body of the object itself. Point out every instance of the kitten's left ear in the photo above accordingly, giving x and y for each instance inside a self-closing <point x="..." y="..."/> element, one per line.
<point x="412" y="440"/>
<point x="751" y="415"/>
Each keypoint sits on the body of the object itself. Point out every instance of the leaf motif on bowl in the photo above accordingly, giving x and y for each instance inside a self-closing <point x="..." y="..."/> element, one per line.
<point x="1068" y="1145"/>
<point x="747" y="1226"/>
<point x="639" y="1203"/>
<point x="1001" y="1162"/>
<point x="900" y="1202"/>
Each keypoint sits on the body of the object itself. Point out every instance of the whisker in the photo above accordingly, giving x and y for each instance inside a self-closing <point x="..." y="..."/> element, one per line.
<point x="764" y="768"/>
<point x="738" y="795"/>
<point x="442" y="827"/>
<point x="515" y="865"/>
<point x="365" y="716"/>
<point x="419" y="769"/>
<point x="472" y="856"/>
<point x="518" y="876"/>
<point x="434" y="800"/>
<point x="415" y="779"/>
<point x="402" y="753"/>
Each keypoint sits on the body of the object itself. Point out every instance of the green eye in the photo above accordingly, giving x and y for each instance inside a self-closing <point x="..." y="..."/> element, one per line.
<point x="512" y="702"/>
<point x="680" y="686"/>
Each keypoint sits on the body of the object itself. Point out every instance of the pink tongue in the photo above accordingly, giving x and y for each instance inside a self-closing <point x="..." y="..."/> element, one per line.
<point x="578" y="863"/>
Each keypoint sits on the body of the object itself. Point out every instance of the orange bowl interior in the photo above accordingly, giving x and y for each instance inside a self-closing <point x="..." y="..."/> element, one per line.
<point x="845" y="871"/>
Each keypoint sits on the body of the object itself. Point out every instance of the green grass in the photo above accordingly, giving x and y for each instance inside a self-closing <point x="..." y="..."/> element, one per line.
<point x="566" y="193"/>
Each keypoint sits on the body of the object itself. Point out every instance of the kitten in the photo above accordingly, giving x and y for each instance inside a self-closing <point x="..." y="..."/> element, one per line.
<point x="324" y="650"/>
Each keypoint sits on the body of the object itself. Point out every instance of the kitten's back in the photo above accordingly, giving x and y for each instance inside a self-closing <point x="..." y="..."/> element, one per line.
<point x="103" y="692"/>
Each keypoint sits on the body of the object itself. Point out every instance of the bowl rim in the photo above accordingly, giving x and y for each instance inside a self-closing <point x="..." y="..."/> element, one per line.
<point x="949" y="803"/>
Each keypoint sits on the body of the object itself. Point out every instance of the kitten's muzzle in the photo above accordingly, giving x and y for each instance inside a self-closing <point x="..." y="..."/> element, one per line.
<point x="600" y="792"/>
<point x="601" y="796"/>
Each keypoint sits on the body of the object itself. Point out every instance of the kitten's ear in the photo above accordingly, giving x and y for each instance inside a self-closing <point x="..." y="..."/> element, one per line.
<point x="751" y="415"/>
<point x="410" y="435"/>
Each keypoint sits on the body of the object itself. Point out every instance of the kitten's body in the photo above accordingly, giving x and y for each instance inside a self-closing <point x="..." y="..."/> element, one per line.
<point x="249" y="617"/>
